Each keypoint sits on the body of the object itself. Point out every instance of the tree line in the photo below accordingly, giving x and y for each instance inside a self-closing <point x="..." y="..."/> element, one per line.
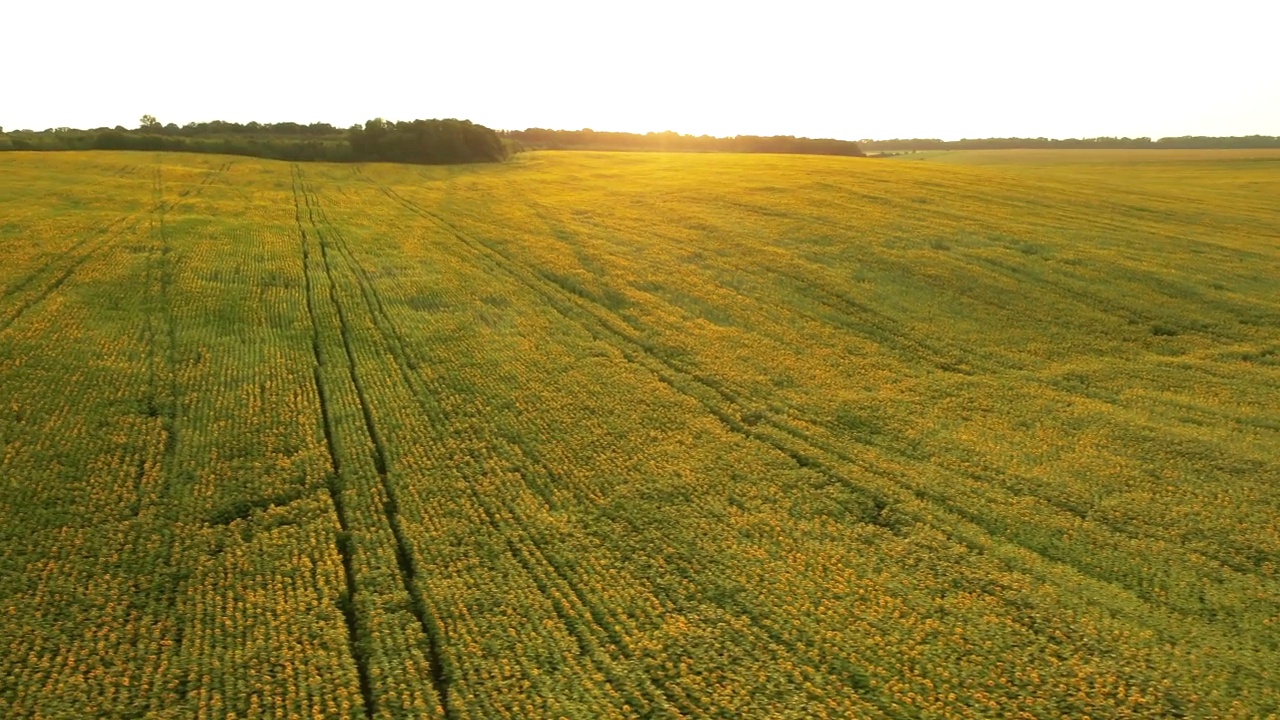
<point x="431" y="142"/>
<point x="461" y="141"/>
<point x="1184" y="142"/>
<point x="543" y="139"/>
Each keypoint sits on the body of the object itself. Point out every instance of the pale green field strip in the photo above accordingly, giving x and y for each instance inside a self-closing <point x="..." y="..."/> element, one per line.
<point x="598" y="435"/>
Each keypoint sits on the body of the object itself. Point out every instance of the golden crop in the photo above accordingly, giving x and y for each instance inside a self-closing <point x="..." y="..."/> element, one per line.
<point x="615" y="435"/>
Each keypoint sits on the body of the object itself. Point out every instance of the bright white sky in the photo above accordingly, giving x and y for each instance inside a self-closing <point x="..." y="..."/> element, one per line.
<point x="897" y="68"/>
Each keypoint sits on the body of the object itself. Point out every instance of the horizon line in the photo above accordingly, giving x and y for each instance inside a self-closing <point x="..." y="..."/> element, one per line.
<point x="342" y="128"/>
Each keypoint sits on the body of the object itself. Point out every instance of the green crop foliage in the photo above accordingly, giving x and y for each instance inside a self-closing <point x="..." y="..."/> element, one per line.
<point x="593" y="435"/>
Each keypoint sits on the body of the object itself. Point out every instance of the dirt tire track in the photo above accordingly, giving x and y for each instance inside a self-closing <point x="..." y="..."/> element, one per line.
<point x="96" y="242"/>
<point x="417" y="387"/>
<point x="334" y="482"/>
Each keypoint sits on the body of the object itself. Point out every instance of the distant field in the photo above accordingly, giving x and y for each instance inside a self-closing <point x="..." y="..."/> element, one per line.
<point x="1049" y="157"/>
<point x="599" y="435"/>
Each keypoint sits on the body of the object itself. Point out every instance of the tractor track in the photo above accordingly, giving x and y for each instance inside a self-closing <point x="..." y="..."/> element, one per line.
<point x="532" y="558"/>
<point x="91" y="244"/>
<point x="334" y="482"/>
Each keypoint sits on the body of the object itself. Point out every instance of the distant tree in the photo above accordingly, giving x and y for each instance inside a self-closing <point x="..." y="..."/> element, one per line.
<point x="148" y="122"/>
<point x="433" y="142"/>
<point x="111" y="140"/>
